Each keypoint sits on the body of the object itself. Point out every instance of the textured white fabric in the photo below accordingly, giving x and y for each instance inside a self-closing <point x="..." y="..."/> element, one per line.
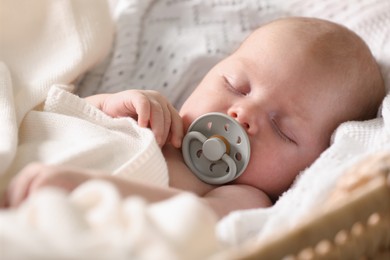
<point x="168" y="45"/>
<point x="42" y="43"/>
<point x="95" y="223"/>
<point x="70" y="131"/>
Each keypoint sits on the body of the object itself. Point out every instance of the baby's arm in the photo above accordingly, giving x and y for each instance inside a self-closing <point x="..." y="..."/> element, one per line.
<point x="222" y="200"/>
<point x="227" y="198"/>
<point x="36" y="176"/>
<point x="148" y="107"/>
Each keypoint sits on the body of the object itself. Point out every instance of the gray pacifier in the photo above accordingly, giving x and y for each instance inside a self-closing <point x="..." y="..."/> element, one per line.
<point x="216" y="148"/>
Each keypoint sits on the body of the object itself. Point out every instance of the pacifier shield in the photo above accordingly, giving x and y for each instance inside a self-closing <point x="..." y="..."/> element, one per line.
<point x="216" y="148"/>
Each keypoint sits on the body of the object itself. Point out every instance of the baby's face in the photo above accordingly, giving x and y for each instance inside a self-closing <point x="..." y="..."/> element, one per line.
<point x="284" y="99"/>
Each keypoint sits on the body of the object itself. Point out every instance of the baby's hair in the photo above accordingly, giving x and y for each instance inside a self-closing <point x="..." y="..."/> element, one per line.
<point x="335" y="46"/>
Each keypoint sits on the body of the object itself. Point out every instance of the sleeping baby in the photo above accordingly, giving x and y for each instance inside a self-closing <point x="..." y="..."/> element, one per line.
<point x="290" y="84"/>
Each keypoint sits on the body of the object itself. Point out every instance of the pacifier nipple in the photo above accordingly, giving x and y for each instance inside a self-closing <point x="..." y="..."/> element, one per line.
<point x="216" y="148"/>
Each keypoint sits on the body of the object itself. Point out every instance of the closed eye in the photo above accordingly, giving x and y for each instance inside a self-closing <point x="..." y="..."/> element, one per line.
<point x="234" y="86"/>
<point x="280" y="133"/>
<point x="230" y="87"/>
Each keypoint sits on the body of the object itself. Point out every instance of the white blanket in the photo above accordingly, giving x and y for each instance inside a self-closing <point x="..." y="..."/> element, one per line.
<point x="95" y="223"/>
<point x="70" y="131"/>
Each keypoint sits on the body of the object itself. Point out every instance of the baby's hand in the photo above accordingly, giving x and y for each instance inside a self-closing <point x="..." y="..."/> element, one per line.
<point x="149" y="108"/>
<point x="35" y="176"/>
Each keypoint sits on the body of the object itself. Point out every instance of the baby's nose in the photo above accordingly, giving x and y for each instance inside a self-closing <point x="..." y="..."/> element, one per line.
<point x="246" y="119"/>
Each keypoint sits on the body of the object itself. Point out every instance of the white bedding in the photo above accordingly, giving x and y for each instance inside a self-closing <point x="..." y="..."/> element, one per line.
<point x="166" y="45"/>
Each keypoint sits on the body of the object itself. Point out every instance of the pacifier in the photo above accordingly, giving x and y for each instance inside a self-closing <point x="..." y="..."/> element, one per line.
<point x="216" y="148"/>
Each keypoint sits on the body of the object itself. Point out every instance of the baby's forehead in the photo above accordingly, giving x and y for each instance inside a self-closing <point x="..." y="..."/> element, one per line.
<point x="325" y="43"/>
<point x="307" y="32"/>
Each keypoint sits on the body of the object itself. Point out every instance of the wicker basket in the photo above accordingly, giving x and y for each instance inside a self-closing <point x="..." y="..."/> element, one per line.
<point x="354" y="223"/>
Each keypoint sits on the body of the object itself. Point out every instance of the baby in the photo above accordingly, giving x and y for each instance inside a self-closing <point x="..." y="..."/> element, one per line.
<point x="289" y="84"/>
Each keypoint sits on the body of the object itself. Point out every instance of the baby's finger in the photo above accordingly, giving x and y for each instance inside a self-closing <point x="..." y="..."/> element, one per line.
<point x="167" y="121"/>
<point x="157" y="122"/>
<point x="142" y="107"/>
<point x="177" y="129"/>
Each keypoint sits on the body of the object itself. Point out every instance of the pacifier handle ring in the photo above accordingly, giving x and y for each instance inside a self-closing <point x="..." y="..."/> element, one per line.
<point x="216" y="148"/>
<point x="226" y="158"/>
